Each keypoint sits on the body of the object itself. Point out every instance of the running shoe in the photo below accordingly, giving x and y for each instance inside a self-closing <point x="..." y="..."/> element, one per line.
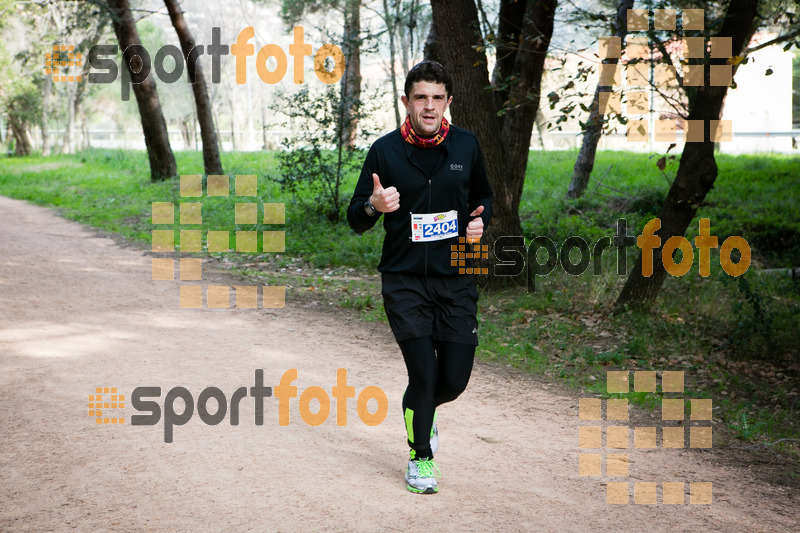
<point x="421" y="476"/>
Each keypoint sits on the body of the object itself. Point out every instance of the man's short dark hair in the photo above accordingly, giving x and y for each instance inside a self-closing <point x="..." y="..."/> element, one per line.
<point x="429" y="71"/>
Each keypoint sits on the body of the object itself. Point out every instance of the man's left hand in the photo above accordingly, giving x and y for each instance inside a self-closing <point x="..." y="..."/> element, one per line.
<point x="475" y="227"/>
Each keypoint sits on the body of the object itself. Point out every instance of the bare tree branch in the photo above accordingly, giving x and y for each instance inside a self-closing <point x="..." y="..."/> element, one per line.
<point x="776" y="40"/>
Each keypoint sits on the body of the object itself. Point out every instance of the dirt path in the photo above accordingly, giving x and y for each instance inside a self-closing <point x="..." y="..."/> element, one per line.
<point x="78" y="311"/>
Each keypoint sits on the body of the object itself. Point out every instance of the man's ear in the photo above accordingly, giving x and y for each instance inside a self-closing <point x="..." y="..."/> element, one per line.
<point x="404" y="99"/>
<point x="449" y="100"/>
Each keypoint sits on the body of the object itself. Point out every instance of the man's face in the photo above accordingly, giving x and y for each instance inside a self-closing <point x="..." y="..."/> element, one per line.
<point x="426" y="106"/>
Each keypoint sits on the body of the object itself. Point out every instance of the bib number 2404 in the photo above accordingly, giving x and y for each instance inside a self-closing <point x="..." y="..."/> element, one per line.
<point x="434" y="226"/>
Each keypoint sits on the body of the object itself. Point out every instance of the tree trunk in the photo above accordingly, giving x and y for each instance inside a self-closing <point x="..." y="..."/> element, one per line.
<point x="265" y="145"/>
<point x="234" y="123"/>
<point x="47" y="91"/>
<point x="154" y="127"/>
<point x="79" y="92"/>
<point x="193" y="135"/>
<point x="412" y="26"/>
<point x="697" y="170"/>
<point x="22" y="144"/>
<point x="431" y="49"/>
<point x="391" y="25"/>
<point x="594" y="126"/>
<point x="509" y="30"/>
<point x="216" y="123"/>
<point x="524" y="96"/>
<point x="541" y="128"/>
<point x="87" y="142"/>
<point x="185" y="132"/>
<point x="69" y="129"/>
<point x="505" y="139"/>
<point x="351" y="81"/>
<point x="404" y="45"/>
<point x="472" y="106"/>
<point x="211" y="160"/>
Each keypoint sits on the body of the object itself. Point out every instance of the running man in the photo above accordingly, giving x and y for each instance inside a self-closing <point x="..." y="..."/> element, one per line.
<point x="429" y="182"/>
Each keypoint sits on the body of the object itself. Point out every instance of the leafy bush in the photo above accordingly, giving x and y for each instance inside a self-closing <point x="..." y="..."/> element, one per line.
<point x="318" y="158"/>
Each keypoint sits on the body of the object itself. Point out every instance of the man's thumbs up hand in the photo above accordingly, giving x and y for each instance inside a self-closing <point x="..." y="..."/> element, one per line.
<point x="475" y="227"/>
<point x="384" y="200"/>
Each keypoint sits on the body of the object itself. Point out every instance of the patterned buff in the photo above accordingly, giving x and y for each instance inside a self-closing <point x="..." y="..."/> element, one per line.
<point x="423" y="142"/>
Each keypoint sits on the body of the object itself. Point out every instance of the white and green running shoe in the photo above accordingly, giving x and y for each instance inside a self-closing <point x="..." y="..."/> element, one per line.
<point x="421" y="476"/>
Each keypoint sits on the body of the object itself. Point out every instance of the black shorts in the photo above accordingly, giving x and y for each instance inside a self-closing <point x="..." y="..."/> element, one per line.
<point x="444" y="307"/>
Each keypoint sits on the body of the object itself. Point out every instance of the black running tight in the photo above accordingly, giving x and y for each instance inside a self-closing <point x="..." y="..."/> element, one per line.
<point x="438" y="372"/>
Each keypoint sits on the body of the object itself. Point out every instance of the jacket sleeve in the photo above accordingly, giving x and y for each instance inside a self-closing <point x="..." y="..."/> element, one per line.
<point x="358" y="219"/>
<point x="480" y="193"/>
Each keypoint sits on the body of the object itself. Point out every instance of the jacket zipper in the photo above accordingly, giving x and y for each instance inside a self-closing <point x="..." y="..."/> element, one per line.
<point x="429" y="210"/>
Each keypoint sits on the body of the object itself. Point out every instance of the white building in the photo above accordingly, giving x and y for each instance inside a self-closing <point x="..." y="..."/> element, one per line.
<point x="759" y="108"/>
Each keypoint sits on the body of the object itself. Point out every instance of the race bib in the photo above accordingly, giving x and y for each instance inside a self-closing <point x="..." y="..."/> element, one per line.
<point x="434" y="226"/>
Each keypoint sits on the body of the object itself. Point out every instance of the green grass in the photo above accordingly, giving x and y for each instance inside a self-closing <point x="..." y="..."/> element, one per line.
<point x="755" y="196"/>
<point x="734" y="338"/>
<point x="110" y="190"/>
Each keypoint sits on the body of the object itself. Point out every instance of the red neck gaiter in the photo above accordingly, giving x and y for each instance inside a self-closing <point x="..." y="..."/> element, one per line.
<point x="424" y="142"/>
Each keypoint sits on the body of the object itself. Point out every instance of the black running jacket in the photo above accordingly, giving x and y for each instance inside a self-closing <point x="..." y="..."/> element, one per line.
<point x="460" y="183"/>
